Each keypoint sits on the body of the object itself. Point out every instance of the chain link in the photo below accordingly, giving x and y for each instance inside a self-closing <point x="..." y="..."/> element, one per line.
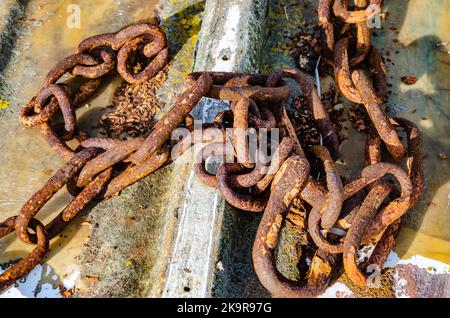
<point x="366" y="209"/>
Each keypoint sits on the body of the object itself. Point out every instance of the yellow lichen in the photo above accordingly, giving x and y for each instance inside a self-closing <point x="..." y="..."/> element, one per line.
<point x="4" y="104"/>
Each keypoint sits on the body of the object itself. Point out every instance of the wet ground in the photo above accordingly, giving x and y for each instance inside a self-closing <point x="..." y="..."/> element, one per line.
<point x="37" y="34"/>
<point x="407" y="41"/>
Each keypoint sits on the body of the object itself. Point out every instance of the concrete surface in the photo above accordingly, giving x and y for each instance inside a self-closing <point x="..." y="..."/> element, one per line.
<point x="121" y="257"/>
<point x="424" y="233"/>
<point x="226" y="26"/>
<point x="232" y="39"/>
<point x="160" y="198"/>
<point x="135" y="242"/>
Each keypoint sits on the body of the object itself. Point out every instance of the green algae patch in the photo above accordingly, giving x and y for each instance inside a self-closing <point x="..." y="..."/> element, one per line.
<point x="283" y="20"/>
<point x="181" y="20"/>
<point x="234" y="275"/>
<point x="126" y="242"/>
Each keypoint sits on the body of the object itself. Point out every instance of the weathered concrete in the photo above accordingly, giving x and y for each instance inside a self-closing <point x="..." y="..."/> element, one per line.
<point x="411" y="281"/>
<point x="140" y="269"/>
<point x="133" y="236"/>
<point x="235" y="276"/>
<point x="128" y="238"/>
<point x="232" y="38"/>
<point x="228" y="30"/>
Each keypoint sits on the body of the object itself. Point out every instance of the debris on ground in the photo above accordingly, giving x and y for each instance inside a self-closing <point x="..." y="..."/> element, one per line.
<point x="134" y="107"/>
<point x="305" y="46"/>
<point x="409" y="80"/>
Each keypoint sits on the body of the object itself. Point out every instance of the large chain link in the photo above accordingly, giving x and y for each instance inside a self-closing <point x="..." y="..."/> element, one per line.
<point x="366" y="209"/>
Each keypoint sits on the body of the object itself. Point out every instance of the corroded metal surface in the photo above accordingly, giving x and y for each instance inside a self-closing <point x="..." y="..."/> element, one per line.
<point x="326" y="201"/>
<point x="287" y="185"/>
<point x="26" y="264"/>
<point x="91" y="176"/>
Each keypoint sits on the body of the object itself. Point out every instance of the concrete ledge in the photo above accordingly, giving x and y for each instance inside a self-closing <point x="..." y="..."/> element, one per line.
<point x="230" y="38"/>
<point x="226" y="43"/>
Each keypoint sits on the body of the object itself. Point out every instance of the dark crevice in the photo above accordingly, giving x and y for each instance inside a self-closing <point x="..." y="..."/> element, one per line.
<point x="10" y="34"/>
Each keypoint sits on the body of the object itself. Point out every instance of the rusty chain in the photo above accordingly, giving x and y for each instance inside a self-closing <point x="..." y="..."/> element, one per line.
<point x="88" y="170"/>
<point x="367" y="209"/>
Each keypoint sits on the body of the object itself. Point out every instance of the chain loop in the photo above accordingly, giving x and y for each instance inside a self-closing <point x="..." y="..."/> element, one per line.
<point x="364" y="209"/>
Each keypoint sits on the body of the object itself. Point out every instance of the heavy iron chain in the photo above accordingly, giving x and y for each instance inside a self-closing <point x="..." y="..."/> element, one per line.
<point x="366" y="208"/>
<point x="359" y="207"/>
